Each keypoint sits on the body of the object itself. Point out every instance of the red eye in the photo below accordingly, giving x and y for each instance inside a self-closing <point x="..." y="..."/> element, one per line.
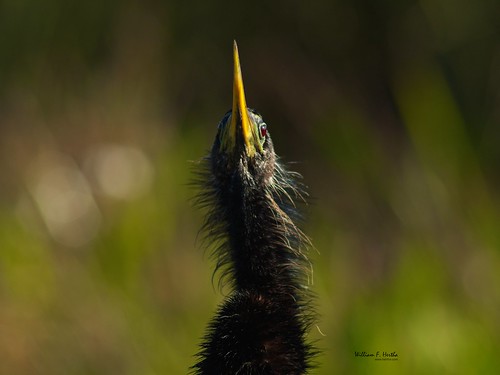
<point x="263" y="130"/>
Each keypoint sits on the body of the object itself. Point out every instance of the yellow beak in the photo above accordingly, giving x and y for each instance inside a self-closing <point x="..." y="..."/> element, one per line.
<point x="240" y="107"/>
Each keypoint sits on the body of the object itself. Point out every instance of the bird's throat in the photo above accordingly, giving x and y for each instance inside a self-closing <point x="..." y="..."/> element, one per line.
<point x="259" y="244"/>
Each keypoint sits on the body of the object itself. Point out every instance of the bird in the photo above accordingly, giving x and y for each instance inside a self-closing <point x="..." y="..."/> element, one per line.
<point x="252" y="222"/>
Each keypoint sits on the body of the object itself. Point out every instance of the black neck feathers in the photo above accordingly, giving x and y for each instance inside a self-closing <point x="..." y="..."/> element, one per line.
<point x="261" y="326"/>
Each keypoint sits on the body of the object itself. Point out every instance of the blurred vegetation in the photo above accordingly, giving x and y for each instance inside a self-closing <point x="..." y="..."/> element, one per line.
<point x="391" y="109"/>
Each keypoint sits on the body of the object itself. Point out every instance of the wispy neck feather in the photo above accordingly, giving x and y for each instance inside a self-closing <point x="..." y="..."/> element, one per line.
<point x="261" y="326"/>
<point x="259" y="245"/>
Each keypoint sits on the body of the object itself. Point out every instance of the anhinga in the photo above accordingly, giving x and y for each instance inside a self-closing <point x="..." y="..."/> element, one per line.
<point x="261" y="327"/>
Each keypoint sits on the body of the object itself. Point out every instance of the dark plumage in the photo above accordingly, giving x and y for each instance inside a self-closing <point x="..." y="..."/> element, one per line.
<point x="249" y="195"/>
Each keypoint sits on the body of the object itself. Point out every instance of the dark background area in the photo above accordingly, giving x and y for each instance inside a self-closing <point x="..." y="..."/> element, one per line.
<point x="389" y="109"/>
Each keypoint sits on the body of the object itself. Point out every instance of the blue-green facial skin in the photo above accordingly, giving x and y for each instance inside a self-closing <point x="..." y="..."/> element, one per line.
<point x="258" y="130"/>
<point x="235" y="160"/>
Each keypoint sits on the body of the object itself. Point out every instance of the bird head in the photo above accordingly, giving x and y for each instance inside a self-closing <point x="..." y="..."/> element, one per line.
<point x="243" y="143"/>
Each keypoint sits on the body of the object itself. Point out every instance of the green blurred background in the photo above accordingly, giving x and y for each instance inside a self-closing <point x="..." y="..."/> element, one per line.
<point x="389" y="108"/>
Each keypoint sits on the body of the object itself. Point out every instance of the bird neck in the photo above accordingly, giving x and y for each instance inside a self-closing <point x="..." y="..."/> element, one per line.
<point x="261" y="240"/>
